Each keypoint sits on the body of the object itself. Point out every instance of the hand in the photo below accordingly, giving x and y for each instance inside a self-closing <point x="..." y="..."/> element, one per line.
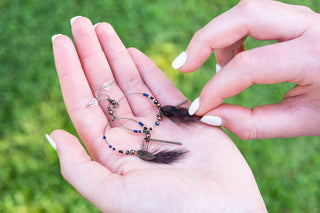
<point x="295" y="59"/>
<point x="212" y="177"/>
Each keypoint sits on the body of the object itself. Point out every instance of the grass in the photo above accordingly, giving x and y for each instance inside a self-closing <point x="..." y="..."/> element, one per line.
<point x="31" y="104"/>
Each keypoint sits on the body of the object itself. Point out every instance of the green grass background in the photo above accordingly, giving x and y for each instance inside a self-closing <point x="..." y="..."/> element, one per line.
<point x="287" y="170"/>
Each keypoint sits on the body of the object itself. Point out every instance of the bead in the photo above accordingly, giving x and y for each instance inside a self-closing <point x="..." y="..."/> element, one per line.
<point x="158" y="105"/>
<point x="110" y="112"/>
<point x="145" y="94"/>
<point x="120" y="151"/>
<point x="127" y="152"/>
<point x="104" y="137"/>
<point x="155" y="101"/>
<point x="135" y="131"/>
<point x="132" y="152"/>
<point x="141" y="124"/>
<point x="113" y="149"/>
<point x="157" y="123"/>
<point x="110" y="146"/>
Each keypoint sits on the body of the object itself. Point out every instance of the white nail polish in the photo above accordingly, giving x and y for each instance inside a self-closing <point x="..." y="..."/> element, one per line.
<point x="94" y="26"/>
<point x="180" y="60"/>
<point x="52" y="143"/>
<point x="218" y="68"/>
<point x="54" y="37"/>
<point x="194" y="106"/>
<point x="212" y="120"/>
<point x="73" y="19"/>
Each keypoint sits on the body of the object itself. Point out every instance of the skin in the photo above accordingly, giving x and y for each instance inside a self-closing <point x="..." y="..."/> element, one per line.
<point x="212" y="177"/>
<point x="295" y="59"/>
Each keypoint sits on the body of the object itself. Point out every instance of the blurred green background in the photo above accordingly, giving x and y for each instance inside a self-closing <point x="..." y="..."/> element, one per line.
<point x="287" y="170"/>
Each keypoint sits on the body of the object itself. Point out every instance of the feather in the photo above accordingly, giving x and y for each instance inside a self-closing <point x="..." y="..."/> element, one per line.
<point x="164" y="156"/>
<point x="178" y="114"/>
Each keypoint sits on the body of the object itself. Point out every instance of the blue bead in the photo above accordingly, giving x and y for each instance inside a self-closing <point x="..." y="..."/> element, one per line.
<point x="141" y="124"/>
<point x="139" y="131"/>
<point x="110" y="146"/>
<point x="155" y="101"/>
<point x="127" y="152"/>
<point x="145" y="94"/>
<point x="135" y="131"/>
<point x="157" y="123"/>
<point x="104" y="137"/>
<point x="113" y="149"/>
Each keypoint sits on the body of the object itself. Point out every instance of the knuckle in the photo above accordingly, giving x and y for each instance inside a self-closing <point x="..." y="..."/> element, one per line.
<point x="250" y="131"/>
<point x="245" y="60"/>
<point x="200" y="36"/>
<point x="248" y="6"/>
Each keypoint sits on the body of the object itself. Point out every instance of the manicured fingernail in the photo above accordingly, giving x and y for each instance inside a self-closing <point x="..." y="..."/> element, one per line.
<point x="94" y="26"/>
<point x="218" y="68"/>
<point x="194" y="106"/>
<point x="180" y="60"/>
<point x="52" y="143"/>
<point x="54" y="37"/>
<point x="212" y="120"/>
<point x="73" y="19"/>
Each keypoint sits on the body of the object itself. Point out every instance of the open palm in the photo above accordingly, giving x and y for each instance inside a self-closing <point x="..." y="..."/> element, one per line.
<point x="212" y="177"/>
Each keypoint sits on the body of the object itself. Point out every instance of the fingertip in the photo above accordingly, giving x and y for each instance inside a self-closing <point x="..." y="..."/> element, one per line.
<point x="180" y="60"/>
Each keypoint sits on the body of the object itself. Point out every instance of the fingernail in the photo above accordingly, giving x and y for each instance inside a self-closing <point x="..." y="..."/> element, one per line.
<point x="194" y="106"/>
<point x="52" y="143"/>
<point x="73" y="19"/>
<point x="94" y="26"/>
<point x="180" y="60"/>
<point x="218" y="68"/>
<point x="54" y="37"/>
<point x="212" y="120"/>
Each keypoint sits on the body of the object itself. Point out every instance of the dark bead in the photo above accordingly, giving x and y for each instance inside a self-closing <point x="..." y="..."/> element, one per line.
<point x="113" y="148"/>
<point x="155" y="101"/>
<point x="110" y="146"/>
<point x="157" y="123"/>
<point x="127" y="152"/>
<point x="120" y="151"/>
<point x="104" y="137"/>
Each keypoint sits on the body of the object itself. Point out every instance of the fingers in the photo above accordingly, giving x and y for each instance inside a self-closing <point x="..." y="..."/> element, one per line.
<point x="263" y="20"/>
<point x="285" y="119"/>
<point x="124" y="70"/>
<point x="264" y="65"/>
<point x="89" y="122"/>
<point x="157" y="81"/>
<point x="94" y="62"/>
<point x="93" y="181"/>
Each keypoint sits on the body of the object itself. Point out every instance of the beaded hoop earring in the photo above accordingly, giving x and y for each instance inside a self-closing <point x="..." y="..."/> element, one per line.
<point x="159" y="156"/>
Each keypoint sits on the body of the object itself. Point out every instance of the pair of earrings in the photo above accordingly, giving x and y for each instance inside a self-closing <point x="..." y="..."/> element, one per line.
<point x="176" y="113"/>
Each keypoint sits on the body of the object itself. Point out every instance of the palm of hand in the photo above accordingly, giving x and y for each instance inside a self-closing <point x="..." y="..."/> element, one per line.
<point x="213" y="176"/>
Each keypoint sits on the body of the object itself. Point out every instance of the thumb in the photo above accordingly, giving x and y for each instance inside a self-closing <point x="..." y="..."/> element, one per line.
<point x="93" y="181"/>
<point x="267" y="121"/>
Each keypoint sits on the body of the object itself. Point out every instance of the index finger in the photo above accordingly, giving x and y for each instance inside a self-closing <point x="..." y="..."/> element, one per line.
<point x="262" y="20"/>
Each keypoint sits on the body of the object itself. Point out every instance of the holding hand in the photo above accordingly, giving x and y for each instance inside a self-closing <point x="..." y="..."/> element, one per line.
<point x="212" y="177"/>
<point x="295" y="59"/>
